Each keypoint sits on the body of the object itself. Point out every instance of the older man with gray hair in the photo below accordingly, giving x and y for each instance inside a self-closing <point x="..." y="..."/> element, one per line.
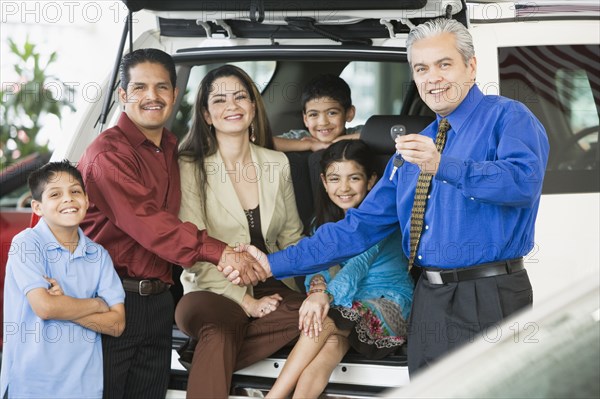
<point x="466" y="200"/>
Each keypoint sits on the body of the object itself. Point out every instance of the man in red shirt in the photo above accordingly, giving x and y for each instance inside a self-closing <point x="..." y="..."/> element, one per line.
<point x="132" y="178"/>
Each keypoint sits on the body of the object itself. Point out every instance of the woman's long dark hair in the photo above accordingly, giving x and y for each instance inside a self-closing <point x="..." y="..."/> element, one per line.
<point x="344" y="150"/>
<point x="201" y="141"/>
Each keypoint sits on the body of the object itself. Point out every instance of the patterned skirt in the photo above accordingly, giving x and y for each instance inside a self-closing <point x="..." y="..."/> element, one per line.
<point x="376" y="326"/>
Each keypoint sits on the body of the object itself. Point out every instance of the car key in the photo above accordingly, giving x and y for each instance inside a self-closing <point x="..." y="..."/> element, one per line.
<point x="396" y="131"/>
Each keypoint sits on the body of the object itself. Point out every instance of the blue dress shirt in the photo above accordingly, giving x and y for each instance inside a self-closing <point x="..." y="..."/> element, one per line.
<point x="483" y="199"/>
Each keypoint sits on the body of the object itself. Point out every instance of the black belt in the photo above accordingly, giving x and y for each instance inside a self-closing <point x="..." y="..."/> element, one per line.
<point x="474" y="272"/>
<point x="145" y="287"/>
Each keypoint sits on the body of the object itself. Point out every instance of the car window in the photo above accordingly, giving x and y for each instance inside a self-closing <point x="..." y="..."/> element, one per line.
<point x="574" y="90"/>
<point x="259" y="71"/>
<point x="556" y="83"/>
<point x="377" y="87"/>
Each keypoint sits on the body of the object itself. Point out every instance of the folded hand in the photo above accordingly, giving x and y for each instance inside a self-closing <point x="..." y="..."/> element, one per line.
<point x="261" y="307"/>
<point x="315" y="144"/>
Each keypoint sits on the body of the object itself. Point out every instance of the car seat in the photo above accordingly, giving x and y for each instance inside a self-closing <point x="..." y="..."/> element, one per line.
<point x="376" y="133"/>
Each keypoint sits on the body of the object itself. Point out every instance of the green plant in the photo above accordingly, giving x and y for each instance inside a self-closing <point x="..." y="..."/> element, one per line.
<point x="25" y="103"/>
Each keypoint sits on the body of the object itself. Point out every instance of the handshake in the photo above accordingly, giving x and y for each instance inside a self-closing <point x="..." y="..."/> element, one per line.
<point x="244" y="265"/>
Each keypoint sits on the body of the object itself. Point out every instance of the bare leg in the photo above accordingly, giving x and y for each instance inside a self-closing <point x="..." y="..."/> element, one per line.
<point x="305" y="350"/>
<point x="315" y="376"/>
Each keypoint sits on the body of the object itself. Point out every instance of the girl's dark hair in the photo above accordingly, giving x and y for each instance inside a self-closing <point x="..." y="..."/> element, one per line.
<point x="201" y="141"/>
<point x="39" y="179"/>
<point x="344" y="150"/>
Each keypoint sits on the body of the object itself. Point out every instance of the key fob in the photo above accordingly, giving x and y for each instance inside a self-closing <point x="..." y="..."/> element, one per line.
<point x="397" y="130"/>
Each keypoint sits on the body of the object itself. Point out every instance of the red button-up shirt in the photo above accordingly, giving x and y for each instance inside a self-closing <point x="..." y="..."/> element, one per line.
<point x="135" y="193"/>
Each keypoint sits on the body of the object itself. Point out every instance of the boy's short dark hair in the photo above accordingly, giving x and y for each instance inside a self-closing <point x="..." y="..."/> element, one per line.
<point x="328" y="85"/>
<point x="38" y="179"/>
<point x="142" y="55"/>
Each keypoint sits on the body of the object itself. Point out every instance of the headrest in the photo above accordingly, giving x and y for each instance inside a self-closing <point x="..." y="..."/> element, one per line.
<point x="376" y="131"/>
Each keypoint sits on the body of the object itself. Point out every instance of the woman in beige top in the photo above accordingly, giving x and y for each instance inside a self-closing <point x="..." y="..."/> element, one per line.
<point x="240" y="192"/>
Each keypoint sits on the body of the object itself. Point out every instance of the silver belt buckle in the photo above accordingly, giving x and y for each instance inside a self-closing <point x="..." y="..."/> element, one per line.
<point x="434" y="277"/>
<point x="140" y="287"/>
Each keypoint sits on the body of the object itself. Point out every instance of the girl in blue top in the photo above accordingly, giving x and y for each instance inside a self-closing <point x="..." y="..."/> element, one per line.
<point x="366" y="304"/>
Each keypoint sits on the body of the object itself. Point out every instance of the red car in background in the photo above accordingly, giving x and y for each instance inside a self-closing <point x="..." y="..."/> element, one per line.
<point x="15" y="208"/>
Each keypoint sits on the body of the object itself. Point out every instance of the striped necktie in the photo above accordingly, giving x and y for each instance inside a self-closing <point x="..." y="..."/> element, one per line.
<point x="421" y="192"/>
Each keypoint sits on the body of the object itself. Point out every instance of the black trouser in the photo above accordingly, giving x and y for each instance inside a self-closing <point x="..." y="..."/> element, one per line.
<point x="446" y="316"/>
<point x="138" y="363"/>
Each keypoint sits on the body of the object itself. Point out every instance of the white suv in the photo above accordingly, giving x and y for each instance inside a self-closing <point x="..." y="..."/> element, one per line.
<point x="545" y="54"/>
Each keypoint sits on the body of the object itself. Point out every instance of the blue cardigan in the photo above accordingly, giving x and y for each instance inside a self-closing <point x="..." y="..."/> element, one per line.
<point x="381" y="271"/>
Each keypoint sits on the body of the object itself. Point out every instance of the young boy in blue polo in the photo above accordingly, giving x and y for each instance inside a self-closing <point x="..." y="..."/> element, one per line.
<point x="61" y="293"/>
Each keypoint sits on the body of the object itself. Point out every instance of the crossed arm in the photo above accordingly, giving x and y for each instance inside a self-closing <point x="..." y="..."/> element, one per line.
<point x="308" y="143"/>
<point x="91" y="313"/>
